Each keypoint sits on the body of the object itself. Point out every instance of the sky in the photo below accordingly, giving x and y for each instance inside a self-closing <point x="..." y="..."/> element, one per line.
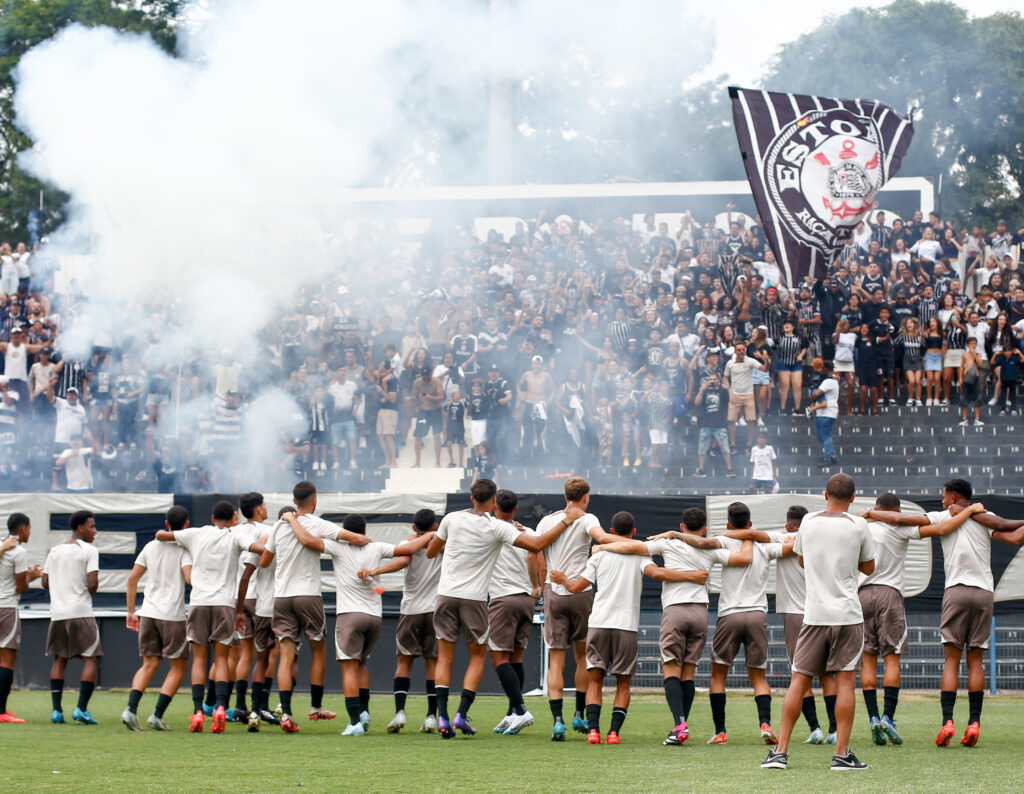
<point x="742" y="51"/>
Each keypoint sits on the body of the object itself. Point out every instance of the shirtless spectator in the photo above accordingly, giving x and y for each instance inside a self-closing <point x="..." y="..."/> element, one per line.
<point x="536" y="391"/>
<point x="429" y="396"/>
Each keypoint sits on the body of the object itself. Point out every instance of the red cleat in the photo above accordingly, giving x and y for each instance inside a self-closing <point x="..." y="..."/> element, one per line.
<point x="11" y="717"/>
<point x="613" y="738"/>
<point x="288" y="724"/>
<point x="195" y="725"/>
<point x="321" y="714"/>
<point x="768" y="734"/>
<point x="594" y="737"/>
<point x="947" y="733"/>
<point x="718" y="738"/>
<point x="220" y="719"/>
<point x="971" y="735"/>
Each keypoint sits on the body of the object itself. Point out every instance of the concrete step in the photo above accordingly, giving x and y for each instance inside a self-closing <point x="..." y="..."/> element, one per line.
<point x="421" y="480"/>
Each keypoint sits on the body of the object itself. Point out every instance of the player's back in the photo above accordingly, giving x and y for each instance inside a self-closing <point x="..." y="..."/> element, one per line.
<point x="164" y="584"/>
<point x="619" y="580"/>
<point x="420" y="590"/>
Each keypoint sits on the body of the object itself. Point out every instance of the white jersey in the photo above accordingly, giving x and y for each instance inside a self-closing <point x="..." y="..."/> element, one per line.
<point x="569" y="551"/>
<point x="472" y="545"/>
<point x="680" y="556"/>
<point x="790" y="583"/>
<point x="214" y="551"/>
<point x="16" y="362"/>
<point x="164" y="583"/>
<point x="745" y="587"/>
<point x="761" y="463"/>
<point x="68" y="566"/>
<point x="967" y="553"/>
<point x="891" y="541"/>
<point x="298" y="569"/>
<point x="619" y="579"/>
<point x="421" y="579"/>
<point x="511" y="572"/>
<point x="355" y="595"/>
<point x="12" y="563"/>
<point x="832" y="546"/>
<point x="261" y="583"/>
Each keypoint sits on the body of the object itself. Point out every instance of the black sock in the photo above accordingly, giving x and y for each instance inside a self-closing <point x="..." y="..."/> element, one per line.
<point x="241" y="687"/>
<point x="162" y="702"/>
<point x="84" y="693"/>
<point x="223" y="690"/>
<point x="948" y="700"/>
<point x="718" y="711"/>
<point x="810" y="712"/>
<point x="871" y="702"/>
<point x="593" y="711"/>
<point x="268" y="686"/>
<point x="689" y="691"/>
<point x="442" y="702"/>
<point x="520" y="669"/>
<point x="764" y="709"/>
<point x="364" y="698"/>
<point x="618" y="717"/>
<point x="197" y="697"/>
<point x="830" y="712"/>
<point x="133" y="700"/>
<point x="975" y="700"/>
<point x="556" y="709"/>
<point x="892" y="698"/>
<point x="581" y="702"/>
<point x="6" y="680"/>
<point x="316" y="695"/>
<point x="510" y="684"/>
<point x="56" y="692"/>
<point x="257" y="695"/>
<point x="211" y="692"/>
<point x="674" y="695"/>
<point x="286" y="701"/>
<point x="432" y="699"/>
<point x="354" y="709"/>
<point x="401" y="689"/>
<point x="468" y="696"/>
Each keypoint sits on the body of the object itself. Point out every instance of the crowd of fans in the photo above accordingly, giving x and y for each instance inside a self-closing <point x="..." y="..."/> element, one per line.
<point x="570" y="344"/>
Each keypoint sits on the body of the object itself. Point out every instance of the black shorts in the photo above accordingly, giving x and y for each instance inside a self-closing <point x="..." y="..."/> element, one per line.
<point x="319" y="437"/>
<point x="429" y="423"/>
<point x="868" y="375"/>
<point x="455" y="434"/>
<point x="887" y="365"/>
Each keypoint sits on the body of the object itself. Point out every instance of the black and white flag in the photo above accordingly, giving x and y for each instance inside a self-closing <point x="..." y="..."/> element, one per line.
<point x="815" y="165"/>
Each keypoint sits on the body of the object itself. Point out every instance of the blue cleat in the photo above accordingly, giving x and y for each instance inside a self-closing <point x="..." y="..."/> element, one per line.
<point x="464" y="725"/>
<point x="558" y="732"/>
<point x="208" y="710"/>
<point x="57" y="718"/>
<point x="877" y="733"/>
<point x="444" y="727"/>
<point x="83" y="717"/>
<point x="817" y="737"/>
<point x="579" y="724"/>
<point x="890" y="730"/>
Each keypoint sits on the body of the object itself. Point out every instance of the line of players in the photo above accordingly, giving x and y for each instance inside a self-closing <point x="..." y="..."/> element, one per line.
<point x="479" y="573"/>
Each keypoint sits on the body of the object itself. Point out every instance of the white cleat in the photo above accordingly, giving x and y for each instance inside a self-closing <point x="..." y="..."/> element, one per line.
<point x="364" y="720"/>
<point x="502" y="726"/>
<point x="429" y="724"/>
<point x="355" y="729"/>
<point x="518" y="722"/>
<point x="130" y="720"/>
<point x="254" y="722"/>
<point x="156" y="723"/>
<point x="817" y="737"/>
<point x="397" y="722"/>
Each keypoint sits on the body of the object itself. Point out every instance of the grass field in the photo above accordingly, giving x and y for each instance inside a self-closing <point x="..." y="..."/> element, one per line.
<point x="39" y="756"/>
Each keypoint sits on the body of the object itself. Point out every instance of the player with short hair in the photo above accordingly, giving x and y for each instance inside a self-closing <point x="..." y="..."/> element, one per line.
<point x="71" y="574"/>
<point x="615" y="622"/>
<point x="15" y="575"/>
<point x="213" y="613"/>
<point x="414" y="635"/>
<point x="471" y="541"/>
<point x="160" y="621"/>
<point x="254" y="510"/>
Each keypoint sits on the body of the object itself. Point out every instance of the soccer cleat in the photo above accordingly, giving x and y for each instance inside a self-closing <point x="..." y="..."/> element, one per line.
<point x="831" y="738"/>
<point x="890" y="731"/>
<point x="518" y="722"/>
<point x="238" y="715"/>
<point x="444" y="727"/>
<point x="843" y="763"/>
<point x="57" y="718"/>
<point x="971" y="735"/>
<point x="364" y="720"/>
<point x="220" y="719"/>
<point x="354" y="729"/>
<point x="83" y="717"/>
<point x="195" y="725"/>
<point x="463" y="724"/>
<point x="288" y="724"/>
<point x="130" y="720"/>
<point x="877" y="732"/>
<point x="429" y="724"/>
<point x="156" y="723"/>
<point x="678" y="736"/>
<point x="397" y="722"/>
<point x="229" y="715"/>
<point x="278" y="711"/>
<point x="254" y="722"/>
<point x="323" y="714"/>
<point x="775" y="760"/>
<point x="208" y="709"/>
<point x="612" y="738"/>
<point x="718" y="738"/>
<point x="817" y="737"/>
<point x="269" y="717"/>
<point x="594" y="737"/>
<point x="579" y="724"/>
<point x="11" y="717"/>
<point x="503" y="725"/>
<point x="558" y="732"/>
<point x="947" y="733"/>
<point x="768" y="734"/>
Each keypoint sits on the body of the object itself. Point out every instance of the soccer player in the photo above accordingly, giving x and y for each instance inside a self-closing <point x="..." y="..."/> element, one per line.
<point x="471" y="541"/>
<point x="615" y="622"/>
<point x="967" y="602"/>
<point x="299" y="602"/>
<point x="160" y="621"/>
<point x="414" y="636"/>
<point x="832" y="546"/>
<point x="684" y="616"/>
<point x="565" y="613"/>
<point x="212" y="614"/>
<point x="516" y="586"/>
<point x="253" y="509"/>
<point x="15" y="574"/>
<point x="359" y="607"/>
<point x="72" y="575"/>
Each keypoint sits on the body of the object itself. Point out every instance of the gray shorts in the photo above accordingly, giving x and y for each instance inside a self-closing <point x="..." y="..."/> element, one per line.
<point x="355" y="634"/>
<point x="792" y="623"/>
<point x="415" y="636"/>
<point x="262" y="633"/>
<point x="885" y="620"/>
<point x="453" y="615"/>
<point x="10" y="629"/>
<point x="511" y="621"/>
<point x="298" y="617"/>
<point x="684" y="632"/>
<point x="73" y="638"/>
<point x="206" y="624"/>
<point x="566" y="618"/>
<point x="966" y="617"/>
<point x="749" y="629"/>
<point x="249" y="610"/>
<point x="612" y="650"/>
<point x="163" y="638"/>
<point x="828" y="649"/>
